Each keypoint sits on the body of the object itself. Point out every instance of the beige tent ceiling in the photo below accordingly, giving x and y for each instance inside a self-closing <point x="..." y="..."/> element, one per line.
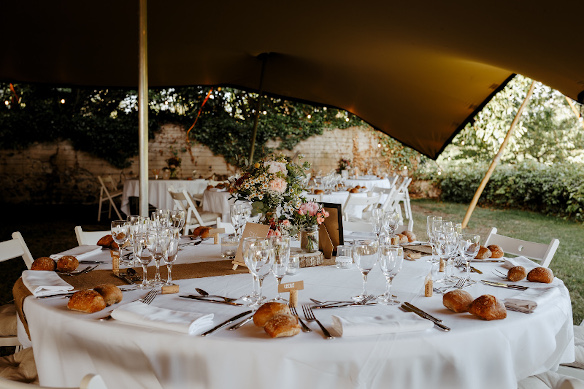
<point x="417" y="70"/>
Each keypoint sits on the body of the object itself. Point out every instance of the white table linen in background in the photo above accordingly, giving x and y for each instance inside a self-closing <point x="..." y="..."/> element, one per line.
<point x="158" y="191"/>
<point x="369" y="182"/>
<point x="219" y="202"/>
<point x="475" y="354"/>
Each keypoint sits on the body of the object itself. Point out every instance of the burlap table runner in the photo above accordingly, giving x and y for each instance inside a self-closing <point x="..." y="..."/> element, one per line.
<point x="96" y="277"/>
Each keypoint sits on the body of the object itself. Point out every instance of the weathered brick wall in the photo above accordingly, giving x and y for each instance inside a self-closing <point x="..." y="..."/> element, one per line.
<point x="55" y="173"/>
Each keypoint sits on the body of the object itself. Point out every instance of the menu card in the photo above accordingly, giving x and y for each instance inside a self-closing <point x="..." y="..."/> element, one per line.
<point x="252" y="230"/>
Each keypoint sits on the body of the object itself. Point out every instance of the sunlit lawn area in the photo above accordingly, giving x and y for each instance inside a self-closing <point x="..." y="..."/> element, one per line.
<point x="567" y="263"/>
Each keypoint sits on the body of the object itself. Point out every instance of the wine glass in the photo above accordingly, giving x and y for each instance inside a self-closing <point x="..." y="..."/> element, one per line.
<point x="281" y="246"/>
<point x="433" y="227"/>
<point x="468" y="248"/>
<point x="446" y="239"/>
<point x="377" y="220"/>
<point x="120" y="234"/>
<point x="177" y="218"/>
<point x="391" y="259"/>
<point x="144" y="243"/>
<point x="258" y="254"/>
<point x="171" y="240"/>
<point x="159" y="248"/>
<point x="365" y="255"/>
<point x="390" y="221"/>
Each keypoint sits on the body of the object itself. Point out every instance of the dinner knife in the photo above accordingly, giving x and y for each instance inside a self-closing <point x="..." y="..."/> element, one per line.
<point x="503" y="285"/>
<point x="240" y="324"/>
<point x="413" y="307"/>
<point x="200" y="298"/>
<point x="427" y="317"/>
<point x="230" y="320"/>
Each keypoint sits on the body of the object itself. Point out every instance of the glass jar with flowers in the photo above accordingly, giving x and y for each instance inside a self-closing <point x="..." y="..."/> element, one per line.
<point x="274" y="186"/>
<point x="307" y="218"/>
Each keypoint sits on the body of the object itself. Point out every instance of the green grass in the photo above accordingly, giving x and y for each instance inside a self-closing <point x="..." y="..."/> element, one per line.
<point x="567" y="263"/>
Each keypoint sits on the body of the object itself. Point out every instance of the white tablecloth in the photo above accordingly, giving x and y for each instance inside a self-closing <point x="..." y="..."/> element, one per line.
<point x="218" y="201"/>
<point x="158" y="191"/>
<point x="474" y="354"/>
<point x="369" y="182"/>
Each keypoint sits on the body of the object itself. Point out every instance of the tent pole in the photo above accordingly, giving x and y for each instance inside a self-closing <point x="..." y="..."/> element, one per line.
<point x="481" y="187"/>
<point x="143" y="109"/>
<point x="575" y="110"/>
<point x="254" y="131"/>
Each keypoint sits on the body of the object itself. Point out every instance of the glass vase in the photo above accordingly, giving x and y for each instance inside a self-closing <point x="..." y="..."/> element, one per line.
<point x="309" y="238"/>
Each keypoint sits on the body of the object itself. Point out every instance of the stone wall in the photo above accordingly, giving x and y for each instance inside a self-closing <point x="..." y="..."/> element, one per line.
<point x="55" y="173"/>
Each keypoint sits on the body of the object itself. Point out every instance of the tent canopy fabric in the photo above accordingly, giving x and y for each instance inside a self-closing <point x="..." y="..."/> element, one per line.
<point x="418" y="71"/>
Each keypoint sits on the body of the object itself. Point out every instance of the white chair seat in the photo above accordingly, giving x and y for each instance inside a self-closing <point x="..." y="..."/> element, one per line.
<point x="7" y="321"/>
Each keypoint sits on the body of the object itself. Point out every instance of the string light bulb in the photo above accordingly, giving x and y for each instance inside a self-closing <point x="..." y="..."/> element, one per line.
<point x="62" y="101"/>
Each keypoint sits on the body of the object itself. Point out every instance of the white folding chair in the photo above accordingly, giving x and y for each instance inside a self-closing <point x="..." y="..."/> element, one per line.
<point x="401" y="196"/>
<point x="108" y="194"/>
<point x="354" y="200"/>
<point x="13" y="248"/>
<point x="89" y="237"/>
<point x="544" y="253"/>
<point x="90" y="381"/>
<point x="184" y="201"/>
<point x="389" y="193"/>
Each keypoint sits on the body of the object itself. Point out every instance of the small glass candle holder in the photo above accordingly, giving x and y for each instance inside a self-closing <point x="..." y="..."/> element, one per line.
<point x="293" y="264"/>
<point x="229" y="245"/>
<point x="344" y="259"/>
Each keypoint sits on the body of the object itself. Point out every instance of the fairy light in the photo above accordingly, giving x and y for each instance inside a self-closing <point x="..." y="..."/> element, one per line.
<point x="346" y="119"/>
<point x="265" y="113"/>
<point x="379" y="145"/>
<point x="62" y="101"/>
<point x="308" y="116"/>
<point x="7" y="103"/>
<point x="462" y="143"/>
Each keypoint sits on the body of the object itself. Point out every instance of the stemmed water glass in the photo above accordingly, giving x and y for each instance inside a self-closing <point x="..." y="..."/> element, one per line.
<point x="447" y="245"/>
<point x="432" y="223"/>
<point x="377" y="220"/>
<point x="240" y="213"/>
<point x="144" y="244"/>
<point x="468" y="248"/>
<point x="281" y="246"/>
<point x="158" y="251"/>
<point x="171" y="238"/>
<point x="161" y="218"/>
<point x="258" y="254"/>
<point x="391" y="259"/>
<point x="177" y="218"/>
<point x="365" y="255"/>
<point x="391" y="221"/>
<point x="120" y="234"/>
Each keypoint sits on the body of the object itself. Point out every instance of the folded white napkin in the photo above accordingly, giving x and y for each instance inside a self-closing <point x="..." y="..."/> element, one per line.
<point x="79" y="252"/>
<point x="528" y="300"/>
<point x="375" y="325"/>
<point x="42" y="283"/>
<point x="143" y="314"/>
<point x="528" y="264"/>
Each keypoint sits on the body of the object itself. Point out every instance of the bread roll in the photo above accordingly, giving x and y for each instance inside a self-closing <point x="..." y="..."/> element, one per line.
<point x="282" y="325"/>
<point x="410" y="235"/>
<point x="541" y="274"/>
<point x="487" y="307"/>
<point x="354" y="190"/>
<point x="201" y="232"/>
<point x="457" y="300"/>
<point x="516" y="273"/>
<point x="43" y="263"/>
<point x="111" y="294"/>
<point x="402" y="238"/>
<point x="394" y="240"/>
<point x="483" y="253"/>
<point x="87" y="300"/>
<point x="496" y="251"/>
<point x="105" y="241"/>
<point x="318" y="191"/>
<point x="67" y="264"/>
<point x="269" y="310"/>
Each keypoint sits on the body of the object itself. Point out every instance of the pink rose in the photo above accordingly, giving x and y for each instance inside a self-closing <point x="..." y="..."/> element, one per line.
<point x="278" y="185"/>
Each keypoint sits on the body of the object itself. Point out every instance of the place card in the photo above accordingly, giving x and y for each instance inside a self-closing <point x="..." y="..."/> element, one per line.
<point x="214" y="232"/>
<point x="252" y="230"/>
<point x="293" y="288"/>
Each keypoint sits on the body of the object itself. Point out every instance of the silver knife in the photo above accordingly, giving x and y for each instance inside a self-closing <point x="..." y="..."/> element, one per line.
<point x="231" y="320"/>
<point x="414" y="308"/>
<point x="200" y="298"/>
<point x="343" y="305"/>
<point x="240" y="324"/>
<point x="502" y="285"/>
<point x="436" y="323"/>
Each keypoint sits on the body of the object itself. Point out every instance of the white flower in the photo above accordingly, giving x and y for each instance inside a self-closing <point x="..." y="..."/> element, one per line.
<point x="275" y="167"/>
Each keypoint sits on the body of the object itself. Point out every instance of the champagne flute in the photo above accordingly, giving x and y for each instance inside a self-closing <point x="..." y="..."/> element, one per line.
<point x="120" y="234"/>
<point x="281" y="246"/>
<point x="171" y="253"/>
<point x="259" y="256"/>
<point x="391" y="259"/>
<point x="365" y="255"/>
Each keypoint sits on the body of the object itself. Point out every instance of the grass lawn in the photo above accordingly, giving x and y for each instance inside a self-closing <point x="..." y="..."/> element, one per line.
<point x="567" y="263"/>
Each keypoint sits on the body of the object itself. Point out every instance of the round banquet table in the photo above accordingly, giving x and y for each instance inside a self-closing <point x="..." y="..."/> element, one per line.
<point x="158" y="191"/>
<point x="474" y="354"/>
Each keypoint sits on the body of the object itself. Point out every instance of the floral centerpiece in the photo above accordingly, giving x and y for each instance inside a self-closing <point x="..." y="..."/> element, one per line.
<point x="274" y="187"/>
<point x="343" y="164"/>
<point x="307" y="218"/>
<point x="173" y="166"/>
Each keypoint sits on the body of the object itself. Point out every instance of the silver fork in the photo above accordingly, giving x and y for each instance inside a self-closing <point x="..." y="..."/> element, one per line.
<point x="500" y="274"/>
<point x="460" y="283"/>
<point x="309" y="315"/>
<point x="305" y="328"/>
<point x="86" y="270"/>
<point x="146" y="300"/>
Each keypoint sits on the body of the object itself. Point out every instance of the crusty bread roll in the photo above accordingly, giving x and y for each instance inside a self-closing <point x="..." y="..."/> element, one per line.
<point x="269" y="310"/>
<point x="402" y="238"/>
<point x="516" y="273"/>
<point x="496" y="251"/>
<point x="67" y="263"/>
<point x="483" y="253"/>
<point x="318" y="191"/>
<point x="111" y="294"/>
<point x="105" y="241"/>
<point x="43" y="263"/>
<point x="201" y="232"/>
<point x="487" y="307"/>
<point x="457" y="300"/>
<point x="394" y="240"/>
<point x="410" y="235"/>
<point x="354" y="190"/>
<point x="541" y="274"/>
<point x="282" y="325"/>
<point x="86" y="300"/>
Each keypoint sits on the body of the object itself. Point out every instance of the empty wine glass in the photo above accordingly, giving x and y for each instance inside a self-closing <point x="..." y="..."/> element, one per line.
<point x="258" y="254"/>
<point x="391" y="221"/>
<point x="177" y="218"/>
<point x="158" y="250"/>
<point x="391" y="259"/>
<point x="171" y="252"/>
<point x="281" y="246"/>
<point x="365" y="255"/>
<point x="120" y="234"/>
<point x="144" y="243"/>
<point x="447" y="243"/>
<point x="468" y="248"/>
